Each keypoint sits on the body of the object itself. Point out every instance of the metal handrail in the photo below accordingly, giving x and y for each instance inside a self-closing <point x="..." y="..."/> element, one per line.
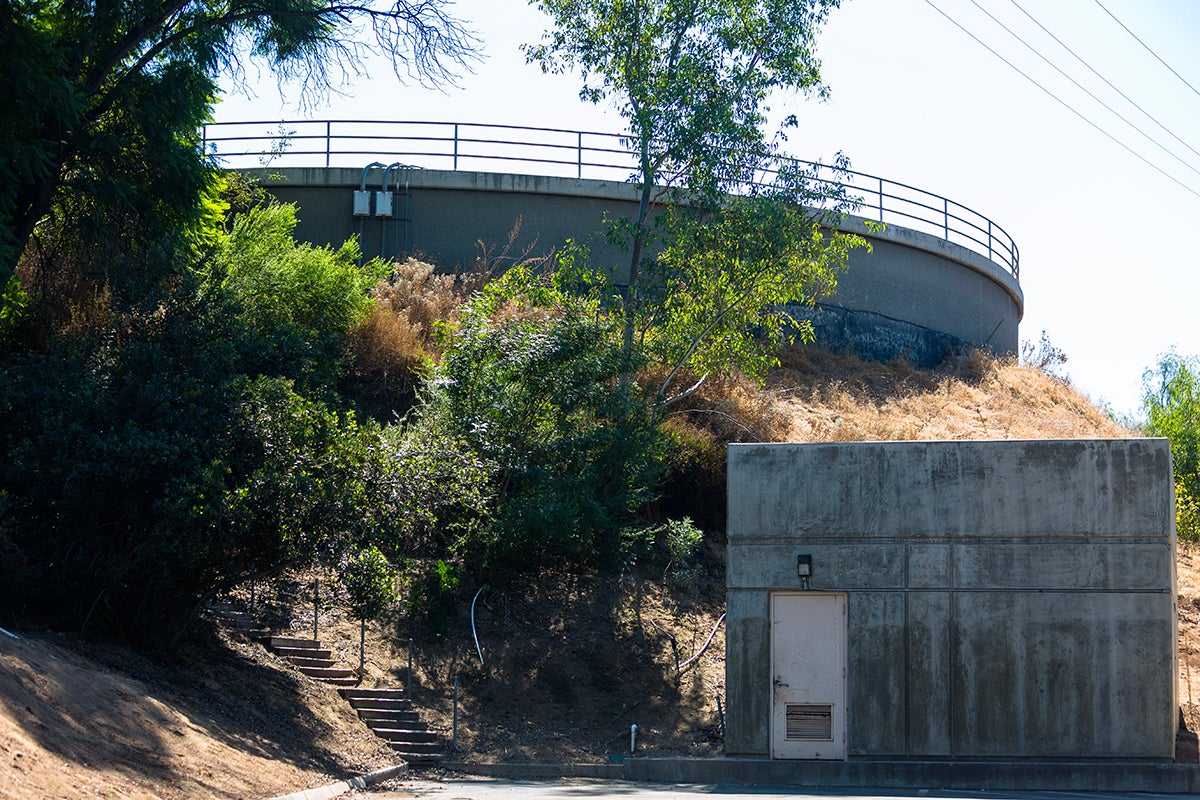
<point x="568" y="153"/>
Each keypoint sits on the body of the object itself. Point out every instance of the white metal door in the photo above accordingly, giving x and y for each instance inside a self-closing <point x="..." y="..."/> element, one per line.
<point x="808" y="663"/>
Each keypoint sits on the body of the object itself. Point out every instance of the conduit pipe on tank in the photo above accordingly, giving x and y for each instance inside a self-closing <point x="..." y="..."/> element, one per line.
<point x="362" y="198"/>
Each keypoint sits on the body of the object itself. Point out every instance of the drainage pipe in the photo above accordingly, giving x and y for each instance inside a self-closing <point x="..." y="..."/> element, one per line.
<point x="475" y="635"/>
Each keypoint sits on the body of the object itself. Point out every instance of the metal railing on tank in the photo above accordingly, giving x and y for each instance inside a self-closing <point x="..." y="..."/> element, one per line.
<point x="565" y="153"/>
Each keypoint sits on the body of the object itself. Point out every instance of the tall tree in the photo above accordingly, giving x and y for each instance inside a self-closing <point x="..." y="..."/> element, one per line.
<point x="725" y="227"/>
<point x="106" y="98"/>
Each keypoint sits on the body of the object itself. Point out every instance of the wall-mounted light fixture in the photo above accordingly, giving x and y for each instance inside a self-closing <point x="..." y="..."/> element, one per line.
<point x="804" y="569"/>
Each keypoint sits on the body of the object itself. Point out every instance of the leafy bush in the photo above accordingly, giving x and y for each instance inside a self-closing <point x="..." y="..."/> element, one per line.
<point x="151" y="465"/>
<point x="1187" y="514"/>
<point x="1171" y="400"/>
<point x="534" y="388"/>
<point x="671" y="544"/>
<point x="370" y="582"/>
<point x="299" y="301"/>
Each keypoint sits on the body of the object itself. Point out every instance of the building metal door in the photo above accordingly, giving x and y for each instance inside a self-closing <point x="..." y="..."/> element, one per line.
<point x="808" y="675"/>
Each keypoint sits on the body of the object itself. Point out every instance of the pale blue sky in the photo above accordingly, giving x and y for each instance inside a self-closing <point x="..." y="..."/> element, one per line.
<point x="1108" y="265"/>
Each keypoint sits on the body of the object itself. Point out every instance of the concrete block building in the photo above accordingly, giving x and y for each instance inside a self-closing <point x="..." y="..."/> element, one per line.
<point x="951" y="600"/>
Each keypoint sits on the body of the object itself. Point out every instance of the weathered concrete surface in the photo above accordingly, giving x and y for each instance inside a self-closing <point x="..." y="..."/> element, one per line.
<point x="1006" y="599"/>
<point x="904" y="298"/>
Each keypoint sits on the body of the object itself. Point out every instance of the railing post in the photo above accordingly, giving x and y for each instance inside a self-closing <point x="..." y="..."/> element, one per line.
<point x="579" y="154"/>
<point x="881" y="200"/>
<point x="456" y="147"/>
<point x="989" y="240"/>
<point x="316" y="583"/>
<point x="946" y="218"/>
<point x="328" y="141"/>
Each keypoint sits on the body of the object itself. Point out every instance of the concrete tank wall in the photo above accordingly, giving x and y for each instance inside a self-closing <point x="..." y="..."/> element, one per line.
<point x="1006" y="599"/>
<point x="908" y="284"/>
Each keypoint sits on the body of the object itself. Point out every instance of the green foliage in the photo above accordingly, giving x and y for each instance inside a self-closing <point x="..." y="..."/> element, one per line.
<point x="691" y="78"/>
<point x="1187" y="514"/>
<point x="13" y="304"/>
<point x="105" y="99"/>
<point x="725" y="232"/>
<point x="300" y="301"/>
<point x="671" y="544"/>
<point x="433" y="595"/>
<point x="1171" y="402"/>
<point x="370" y="581"/>
<point x="712" y="299"/>
<point x="531" y="386"/>
<point x="147" y="470"/>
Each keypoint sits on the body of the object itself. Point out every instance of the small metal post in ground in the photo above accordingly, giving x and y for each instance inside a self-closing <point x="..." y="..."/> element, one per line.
<point x="408" y="689"/>
<point x="362" y="649"/>
<point x="316" y="582"/>
<point x="454" y="733"/>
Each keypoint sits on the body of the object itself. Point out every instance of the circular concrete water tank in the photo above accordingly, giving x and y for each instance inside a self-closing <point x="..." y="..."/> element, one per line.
<point x="913" y="294"/>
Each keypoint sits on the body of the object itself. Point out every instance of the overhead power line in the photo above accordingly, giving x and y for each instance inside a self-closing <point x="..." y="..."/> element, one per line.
<point x="1084" y="89"/>
<point x="1109" y="83"/>
<point x="1067" y="105"/>
<point x="1148" y="49"/>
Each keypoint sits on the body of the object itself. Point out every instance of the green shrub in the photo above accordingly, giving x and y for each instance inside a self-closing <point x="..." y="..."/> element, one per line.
<point x="573" y="448"/>
<point x="300" y="302"/>
<point x="370" y="582"/>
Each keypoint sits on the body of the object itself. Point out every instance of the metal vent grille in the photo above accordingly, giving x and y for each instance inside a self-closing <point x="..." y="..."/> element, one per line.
<point x="809" y="722"/>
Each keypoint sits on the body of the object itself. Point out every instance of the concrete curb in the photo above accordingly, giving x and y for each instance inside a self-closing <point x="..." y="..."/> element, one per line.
<point x="341" y="787"/>
<point x="615" y="772"/>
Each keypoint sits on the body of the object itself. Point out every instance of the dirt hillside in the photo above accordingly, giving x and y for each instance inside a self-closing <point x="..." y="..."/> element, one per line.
<point x="565" y="663"/>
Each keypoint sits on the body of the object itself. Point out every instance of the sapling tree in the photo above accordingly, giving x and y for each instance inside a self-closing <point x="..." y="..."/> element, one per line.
<point x="727" y="228"/>
<point x="370" y="582"/>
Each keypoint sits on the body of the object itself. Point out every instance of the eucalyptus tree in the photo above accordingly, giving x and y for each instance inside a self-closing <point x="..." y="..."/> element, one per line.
<point x="725" y="228"/>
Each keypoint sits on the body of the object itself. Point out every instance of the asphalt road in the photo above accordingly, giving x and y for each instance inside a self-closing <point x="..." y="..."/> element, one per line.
<point x="572" y="788"/>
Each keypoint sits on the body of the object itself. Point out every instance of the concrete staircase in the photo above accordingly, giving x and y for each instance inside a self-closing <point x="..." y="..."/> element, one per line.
<point x="389" y="713"/>
<point x="307" y="656"/>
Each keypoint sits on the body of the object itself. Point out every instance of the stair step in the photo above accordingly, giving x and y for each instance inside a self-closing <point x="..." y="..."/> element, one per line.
<point x="234" y="614"/>
<point x="337" y="681"/>
<point x="365" y="692"/>
<point x="418" y="749"/>
<point x="256" y="634"/>
<point x="327" y="672"/>
<point x="318" y="663"/>
<point x="379" y="704"/>
<point x="407" y="736"/>
<point x="288" y="641"/>
<point x="370" y="715"/>
<point x="302" y="652"/>
<point x="421" y="759"/>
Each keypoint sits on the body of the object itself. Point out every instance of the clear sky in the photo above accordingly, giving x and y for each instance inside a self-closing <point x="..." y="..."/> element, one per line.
<point x="1108" y="264"/>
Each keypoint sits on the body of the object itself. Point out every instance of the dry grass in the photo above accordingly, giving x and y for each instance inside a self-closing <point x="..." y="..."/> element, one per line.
<point x="830" y="397"/>
<point x="391" y="349"/>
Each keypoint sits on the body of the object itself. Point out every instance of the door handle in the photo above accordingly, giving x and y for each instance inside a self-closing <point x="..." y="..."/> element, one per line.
<point x="779" y="684"/>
